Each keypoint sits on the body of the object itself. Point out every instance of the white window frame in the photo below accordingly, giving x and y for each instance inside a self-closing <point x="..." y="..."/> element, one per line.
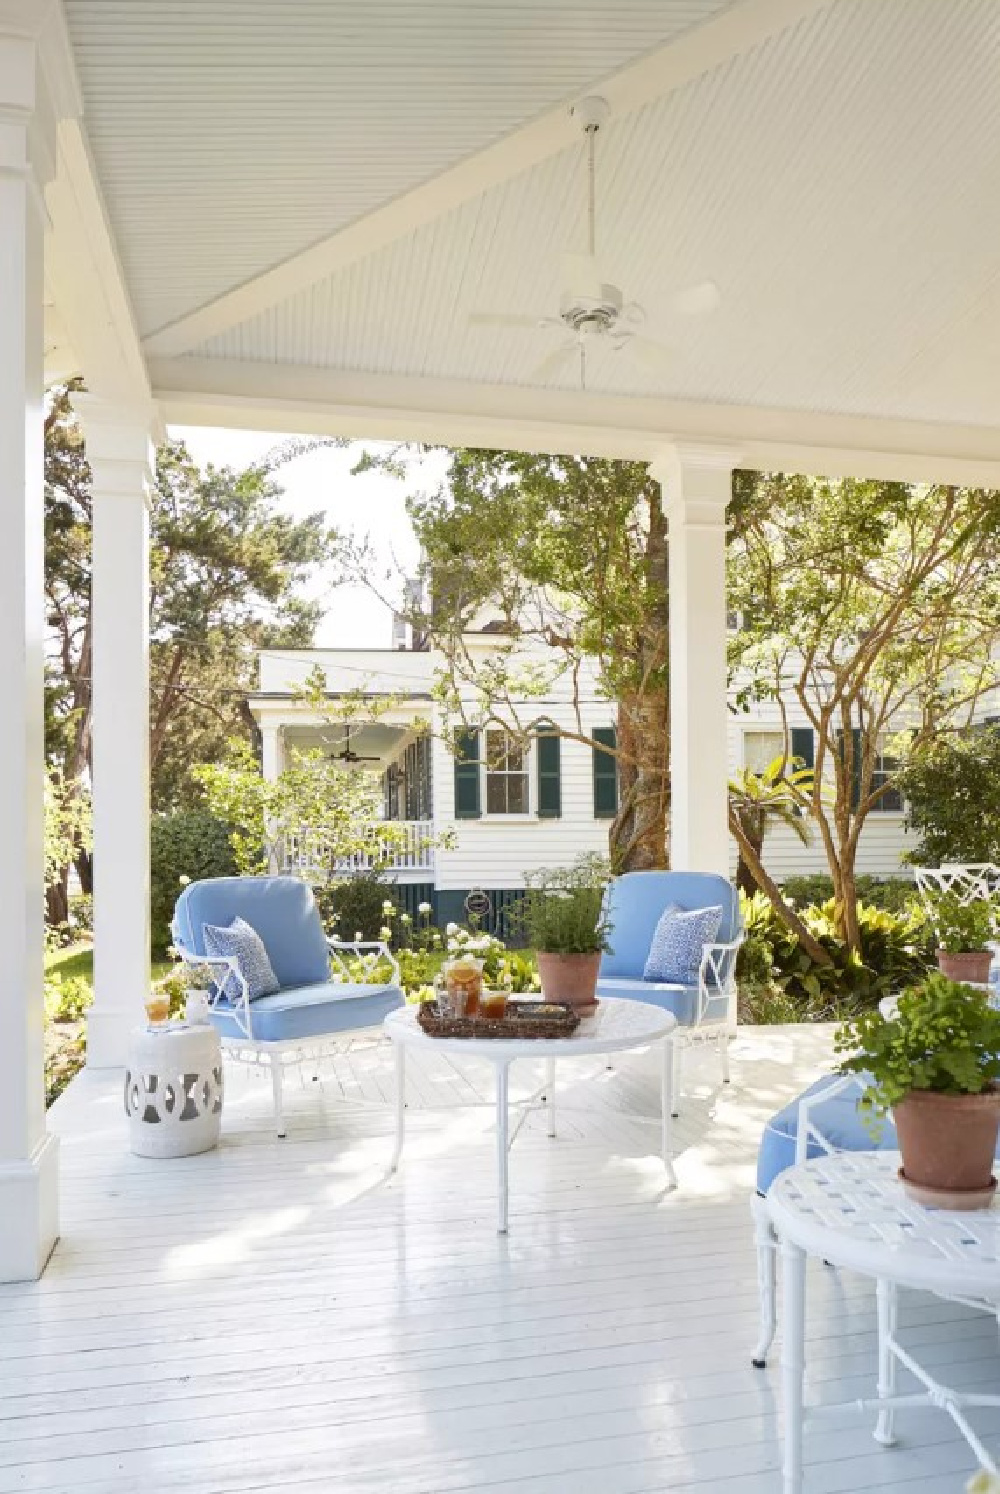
<point x="762" y="731"/>
<point x="501" y="815"/>
<point x="880" y="807"/>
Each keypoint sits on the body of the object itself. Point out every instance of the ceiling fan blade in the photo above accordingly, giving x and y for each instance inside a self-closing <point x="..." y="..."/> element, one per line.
<point x="503" y="319"/>
<point x="650" y="355"/>
<point x="554" y="363"/>
<point x="580" y="277"/>
<point x="696" y="300"/>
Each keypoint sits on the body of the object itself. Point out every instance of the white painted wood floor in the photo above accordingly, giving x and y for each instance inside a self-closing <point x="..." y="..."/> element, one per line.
<point x="278" y="1315"/>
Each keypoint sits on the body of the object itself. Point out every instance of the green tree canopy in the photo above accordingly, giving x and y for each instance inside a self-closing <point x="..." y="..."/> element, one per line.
<point x="875" y="606"/>
<point x="952" y="789"/>
<point x="569" y="552"/>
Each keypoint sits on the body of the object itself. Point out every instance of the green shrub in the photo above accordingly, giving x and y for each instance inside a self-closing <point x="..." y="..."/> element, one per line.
<point x="952" y="792"/>
<point x="896" y="949"/>
<point x="358" y="906"/>
<point x="188" y="845"/>
<point x="962" y="928"/>
<point x="67" y="997"/>
<point x="892" y="894"/>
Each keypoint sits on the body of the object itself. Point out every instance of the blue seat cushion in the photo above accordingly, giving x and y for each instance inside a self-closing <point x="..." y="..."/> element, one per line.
<point x="839" y="1121"/>
<point x="670" y="997"/>
<point x="318" y="1010"/>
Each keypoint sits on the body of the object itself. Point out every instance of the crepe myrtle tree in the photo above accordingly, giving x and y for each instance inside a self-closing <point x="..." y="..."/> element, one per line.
<point x="875" y="607"/>
<point x="566" y="557"/>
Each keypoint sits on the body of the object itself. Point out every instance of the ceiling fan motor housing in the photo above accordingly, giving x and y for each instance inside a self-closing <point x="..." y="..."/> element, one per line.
<point x="585" y="314"/>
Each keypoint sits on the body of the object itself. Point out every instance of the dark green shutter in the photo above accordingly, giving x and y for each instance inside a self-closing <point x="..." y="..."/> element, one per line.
<point x="605" y="773"/>
<point x="803" y="745"/>
<point x="467" y="776"/>
<point x="547" y="756"/>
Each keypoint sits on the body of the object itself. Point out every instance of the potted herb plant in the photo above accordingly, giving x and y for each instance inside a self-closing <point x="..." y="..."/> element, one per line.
<point x="935" y="1067"/>
<point x="564" y="920"/>
<point x="963" y="932"/>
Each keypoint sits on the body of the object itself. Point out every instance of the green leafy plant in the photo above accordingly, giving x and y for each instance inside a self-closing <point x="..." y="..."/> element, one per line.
<point x="944" y="1038"/>
<point x="963" y="928"/>
<point x="779" y="980"/>
<point x="952" y="792"/>
<point x="563" y="909"/>
<point x="357" y="906"/>
<point x="891" y="894"/>
<point x="67" y="997"/>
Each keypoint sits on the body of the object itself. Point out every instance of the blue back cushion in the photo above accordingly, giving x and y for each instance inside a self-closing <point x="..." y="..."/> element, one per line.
<point x="281" y="909"/>
<point x="635" y="902"/>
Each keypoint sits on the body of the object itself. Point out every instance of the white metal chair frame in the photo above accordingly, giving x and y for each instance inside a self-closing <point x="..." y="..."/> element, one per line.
<point x="767" y="1241"/>
<point x="289" y="1052"/>
<point x="716" y="985"/>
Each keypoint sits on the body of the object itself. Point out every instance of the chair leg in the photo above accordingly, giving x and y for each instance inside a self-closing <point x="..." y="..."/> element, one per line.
<point x="767" y="1280"/>
<point x="724" y="1056"/>
<point x="678" y="1047"/>
<point x="276" y="1077"/>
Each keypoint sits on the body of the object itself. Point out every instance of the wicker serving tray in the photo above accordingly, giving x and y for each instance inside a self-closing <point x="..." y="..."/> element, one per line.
<point x="519" y="1022"/>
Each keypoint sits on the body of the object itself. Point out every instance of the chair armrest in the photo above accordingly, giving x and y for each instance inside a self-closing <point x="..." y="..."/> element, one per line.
<point x="336" y="945"/>
<point x="806" y="1130"/>
<point x="222" y="966"/>
<point x="718" y="964"/>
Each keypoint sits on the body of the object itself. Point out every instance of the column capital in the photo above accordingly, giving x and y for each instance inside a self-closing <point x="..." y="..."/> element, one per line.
<point x="696" y="480"/>
<point x="119" y="445"/>
<point x="38" y="87"/>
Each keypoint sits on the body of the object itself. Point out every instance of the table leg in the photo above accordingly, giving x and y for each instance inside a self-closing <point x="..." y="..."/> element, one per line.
<point x="400" y="1056"/>
<point x="503" y="1120"/>
<point x="793" y="1360"/>
<point x="550" y="1093"/>
<point x="886" y="1297"/>
<point x="667" y="1108"/>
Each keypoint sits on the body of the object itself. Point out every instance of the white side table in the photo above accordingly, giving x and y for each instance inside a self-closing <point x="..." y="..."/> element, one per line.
<point x="615" y="1026"/>
<point x="850" y="1210"/>
<point x="173" y="1090"/>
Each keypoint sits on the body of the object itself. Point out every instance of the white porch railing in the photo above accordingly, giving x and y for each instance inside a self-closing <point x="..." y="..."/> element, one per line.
<point x="304" y="852"/>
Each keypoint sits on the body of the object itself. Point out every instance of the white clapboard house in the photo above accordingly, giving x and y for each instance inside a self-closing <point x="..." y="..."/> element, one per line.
<point x="510" y="809"/>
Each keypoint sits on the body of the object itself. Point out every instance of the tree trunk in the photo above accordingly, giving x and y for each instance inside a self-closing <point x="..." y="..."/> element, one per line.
<point x="772" y="892"/>
<point x="57" y="901"/>
<point x="638" y="837"/>
<point x="745" y="879"/>
<point x="85" y="871"/>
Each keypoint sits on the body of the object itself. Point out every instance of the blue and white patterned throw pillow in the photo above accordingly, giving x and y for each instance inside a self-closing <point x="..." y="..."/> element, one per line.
<point x="245" y="943"/>
<point x="678" y="943"/>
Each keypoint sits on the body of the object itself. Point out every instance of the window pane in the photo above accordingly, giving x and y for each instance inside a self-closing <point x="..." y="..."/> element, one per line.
<point x="496" y="793"/>
<point x="515" y="756"/>
<point x="496" y="750"/>
<point x="761" y="748"/>
<point x="517" y="794"/>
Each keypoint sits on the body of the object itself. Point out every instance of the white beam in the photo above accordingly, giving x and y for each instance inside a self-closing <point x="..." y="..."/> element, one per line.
<point x="735" y="30"/>
<point x="120" y="456"/>
<point x="263" y="396"/>
<point x="29" y="1212"/>
<point x="697" y="485"/>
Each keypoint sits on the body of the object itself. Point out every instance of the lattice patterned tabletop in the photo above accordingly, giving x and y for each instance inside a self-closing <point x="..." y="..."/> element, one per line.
<point x="851" y="1209"/>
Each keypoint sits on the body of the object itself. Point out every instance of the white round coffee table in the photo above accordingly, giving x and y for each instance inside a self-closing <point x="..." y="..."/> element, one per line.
<point x="850" y="1210"/>
<point x="615" y="1026"/>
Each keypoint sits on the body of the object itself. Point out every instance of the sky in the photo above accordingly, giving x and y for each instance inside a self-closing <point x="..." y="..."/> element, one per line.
<point x="371" y="506"/>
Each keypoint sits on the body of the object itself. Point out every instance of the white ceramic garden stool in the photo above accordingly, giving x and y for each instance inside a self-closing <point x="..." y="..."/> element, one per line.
<point x="173" y="1090"/>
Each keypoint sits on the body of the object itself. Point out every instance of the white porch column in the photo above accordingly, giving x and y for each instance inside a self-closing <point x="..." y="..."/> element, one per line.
<point x="697" y="485"/>
<point x="272" y="751"/>
<point x="29" y="1208"/>
<point x="120" y="455"/>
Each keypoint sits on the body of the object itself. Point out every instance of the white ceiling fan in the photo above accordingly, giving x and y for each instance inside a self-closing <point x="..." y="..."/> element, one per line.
<point x="591" y="309"/>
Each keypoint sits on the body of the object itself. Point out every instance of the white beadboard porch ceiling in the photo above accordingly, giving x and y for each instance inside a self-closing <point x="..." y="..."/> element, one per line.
<point x="840" y="183"/>
<point x="231" y="134"/>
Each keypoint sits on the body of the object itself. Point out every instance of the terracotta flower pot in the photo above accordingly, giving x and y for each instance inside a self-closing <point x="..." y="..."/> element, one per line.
<point x="948" y="1143"/>
<point x="571" y="978"/>
<point x="971" y="965"/>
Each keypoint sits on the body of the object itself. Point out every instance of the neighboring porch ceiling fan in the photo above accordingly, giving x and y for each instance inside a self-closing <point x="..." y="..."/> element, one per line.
<point x="591" y="309"/>
<point x="347" y="756"/>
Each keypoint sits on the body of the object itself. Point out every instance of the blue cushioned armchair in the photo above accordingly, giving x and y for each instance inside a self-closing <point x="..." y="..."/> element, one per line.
<point x="705" y="1010"/>
<point x="312" y="1009"/>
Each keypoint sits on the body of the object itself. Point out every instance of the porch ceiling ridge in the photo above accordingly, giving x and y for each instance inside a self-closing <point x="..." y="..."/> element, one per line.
<point x="734" y="31"/>
<point x="259" y="396"/>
